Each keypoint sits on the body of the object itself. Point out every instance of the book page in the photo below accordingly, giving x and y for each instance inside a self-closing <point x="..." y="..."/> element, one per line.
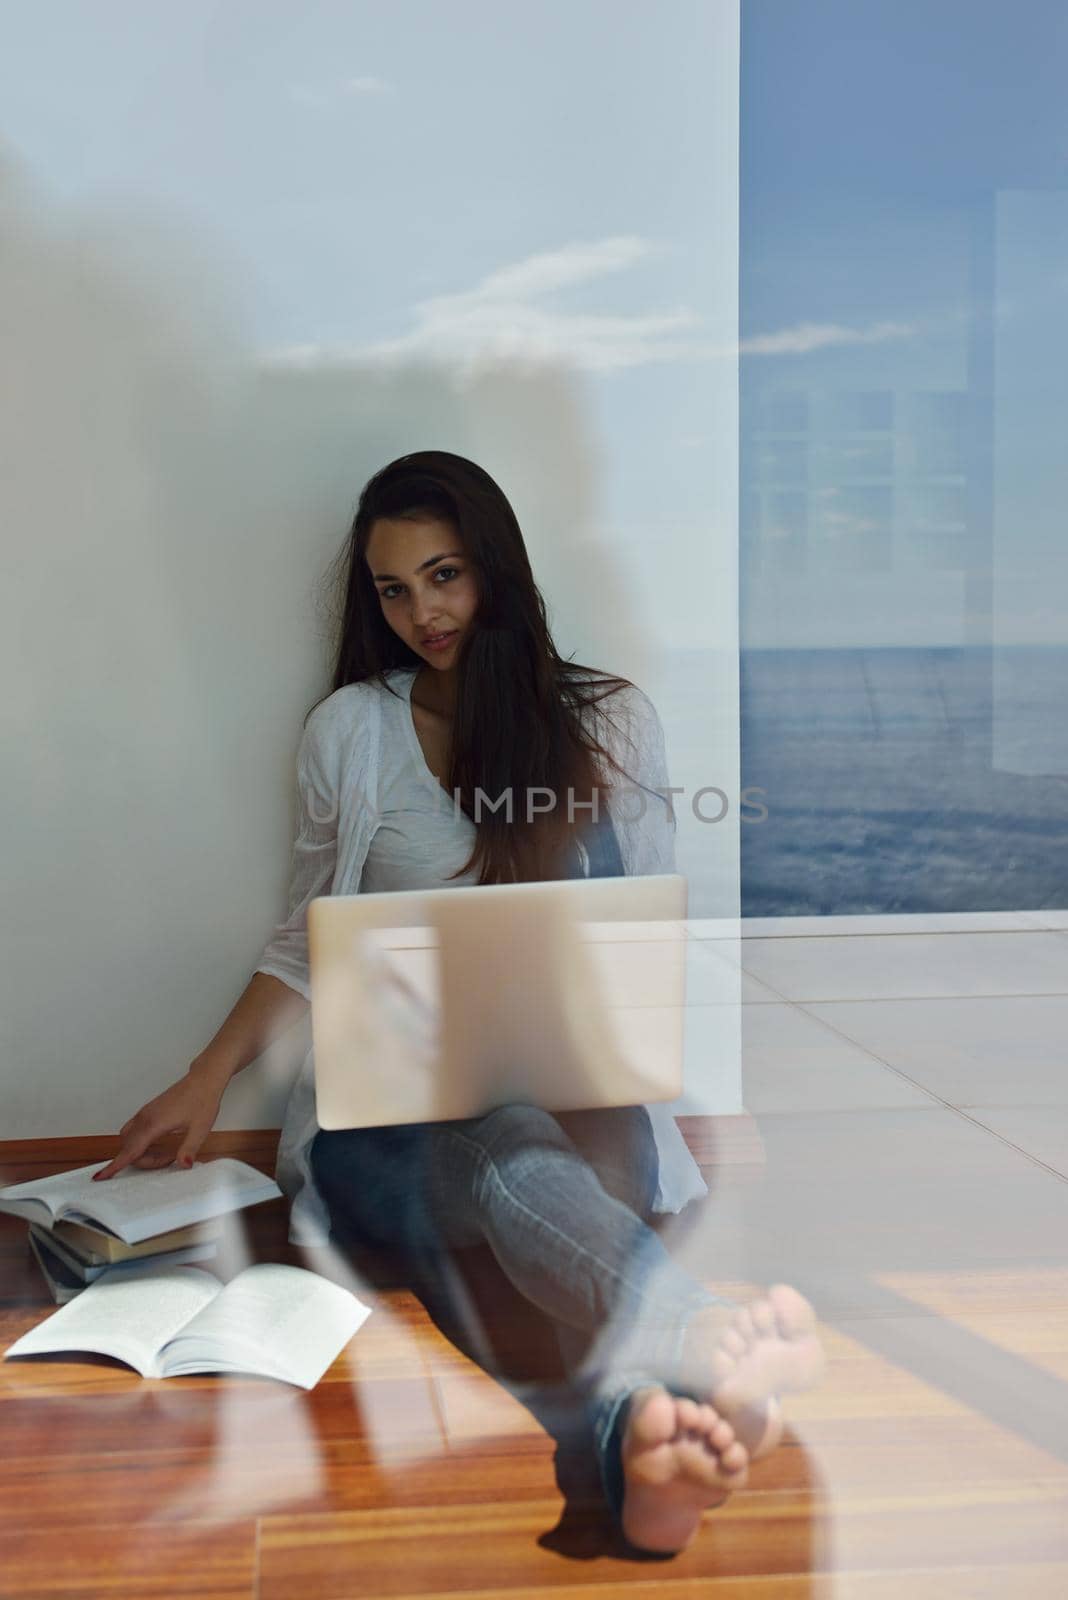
<point x="280" y="1321"/>
<point x="137" y="1204"/>
<point x="128" y="1313"/>
<point x="42" y="1198"/>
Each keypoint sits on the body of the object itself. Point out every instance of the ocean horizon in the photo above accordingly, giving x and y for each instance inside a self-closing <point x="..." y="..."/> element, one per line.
<point x="881" y="788"/>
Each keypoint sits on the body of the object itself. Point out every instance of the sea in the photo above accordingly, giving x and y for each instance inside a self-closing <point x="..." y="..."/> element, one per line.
<point x="887" y="780"/>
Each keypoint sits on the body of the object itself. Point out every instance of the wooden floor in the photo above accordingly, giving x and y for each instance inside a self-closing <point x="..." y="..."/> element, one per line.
<point x="932" y="1462"/>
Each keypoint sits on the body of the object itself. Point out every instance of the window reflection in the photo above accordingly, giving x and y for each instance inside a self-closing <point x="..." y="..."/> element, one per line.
<point x="904" y="379"/>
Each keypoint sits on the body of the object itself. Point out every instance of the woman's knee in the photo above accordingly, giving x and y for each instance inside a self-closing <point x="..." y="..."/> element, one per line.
<point x="369" y="1179"/>
<point x="358" y="1166"/>
<point x="620" y="1145"/>
<point x="514" y="1127"/>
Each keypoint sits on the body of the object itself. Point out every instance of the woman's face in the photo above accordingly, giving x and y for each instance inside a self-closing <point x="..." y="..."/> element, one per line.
<point x="426" y="586"/>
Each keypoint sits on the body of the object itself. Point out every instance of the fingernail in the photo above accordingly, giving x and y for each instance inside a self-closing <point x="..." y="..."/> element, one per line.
<point x="187" y="1161"/>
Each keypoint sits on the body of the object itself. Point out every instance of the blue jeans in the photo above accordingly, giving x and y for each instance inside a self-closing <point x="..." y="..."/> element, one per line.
<point x="562" y="1201"/>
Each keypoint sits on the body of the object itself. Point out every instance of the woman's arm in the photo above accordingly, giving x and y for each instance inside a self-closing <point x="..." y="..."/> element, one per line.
<point x="273" y="1000"/>
<point x="185" y="1113"/>
<point x="266" y="1009"/>
<point x="315" y="849"/>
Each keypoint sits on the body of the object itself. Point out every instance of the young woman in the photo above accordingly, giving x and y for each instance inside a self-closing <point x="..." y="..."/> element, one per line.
<point x="457" y="747"/>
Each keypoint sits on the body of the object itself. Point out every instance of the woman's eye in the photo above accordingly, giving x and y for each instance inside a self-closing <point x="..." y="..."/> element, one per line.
<point x="391" y="590"/>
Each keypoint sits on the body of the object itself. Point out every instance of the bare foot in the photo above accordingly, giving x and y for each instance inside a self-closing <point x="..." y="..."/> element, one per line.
<point x="679" y="1458"/>
<point x="743" y="1359"/>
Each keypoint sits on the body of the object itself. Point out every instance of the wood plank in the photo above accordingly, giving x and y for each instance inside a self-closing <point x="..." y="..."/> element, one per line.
<point x="1037" y="1582"/>
<point x="721" y="1142"/>
<point x="409" y="1471"/>
<point x="1007" y="1288"/>
<point x="127" y="1559"/>
<point x="892" y="1452"/>
<point x="158" y="1486"/>
<point x="201" y="1410"/>
<point x="469" y="1551"/>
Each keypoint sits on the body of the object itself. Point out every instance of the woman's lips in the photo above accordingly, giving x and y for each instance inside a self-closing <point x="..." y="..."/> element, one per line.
<point x="442" y="641"/>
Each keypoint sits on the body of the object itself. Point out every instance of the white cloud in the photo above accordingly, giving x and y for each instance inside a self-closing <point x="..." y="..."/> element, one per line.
<point x="366" y="86"/>
<point x="504" y="319"/>
<point x="805" y="337"/>
<point x="562" y="269"/>
<point x="306" y="95"/>
<point x="510" y="318"/>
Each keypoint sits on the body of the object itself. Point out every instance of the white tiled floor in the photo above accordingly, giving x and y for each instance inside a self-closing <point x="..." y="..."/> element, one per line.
<point x="942" y="922"/>
<point x="916" y="965"/>
<point x="994" y="1050"/>
<point x="715" y="976"/>
<point x="1043" y="1133"/>
<point x="1046" y="919"/>
<point x="857" y="1013"/>
<point x="793" y="1062"/>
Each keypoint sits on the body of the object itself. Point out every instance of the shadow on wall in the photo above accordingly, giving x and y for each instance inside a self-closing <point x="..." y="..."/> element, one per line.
<point x="172" y="505"/>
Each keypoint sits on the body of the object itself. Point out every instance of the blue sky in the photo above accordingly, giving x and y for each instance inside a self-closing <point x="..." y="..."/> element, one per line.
<point x="418" y="180"/>
<point x="904" y="202"/>
<point x="360" y="159"/>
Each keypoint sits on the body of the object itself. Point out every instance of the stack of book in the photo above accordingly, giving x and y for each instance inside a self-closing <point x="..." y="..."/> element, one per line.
<point x="72" y="1254"/>
<point x="79" y="1230"/>
<point x="145" y="1308"/>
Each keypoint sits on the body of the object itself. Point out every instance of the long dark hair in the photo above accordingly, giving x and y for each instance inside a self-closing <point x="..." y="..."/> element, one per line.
<point x="518" y="721"/>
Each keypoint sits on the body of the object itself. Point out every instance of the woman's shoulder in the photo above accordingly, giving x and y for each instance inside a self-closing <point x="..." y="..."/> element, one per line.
<point x="350" y="712"/>
<point x="616" y="702"/>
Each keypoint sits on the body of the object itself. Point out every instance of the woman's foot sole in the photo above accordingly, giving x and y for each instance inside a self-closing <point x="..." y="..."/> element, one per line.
<point x="680" y="1457"/>
<point x="743" y="1359"/>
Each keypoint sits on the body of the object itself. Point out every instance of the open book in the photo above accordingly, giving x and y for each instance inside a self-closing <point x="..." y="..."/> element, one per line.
<point x="273" y="1321"/>
<point x="138" y="1204"/>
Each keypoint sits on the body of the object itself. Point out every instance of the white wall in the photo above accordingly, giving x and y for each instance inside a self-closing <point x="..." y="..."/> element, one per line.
<point x="173" y="488"/>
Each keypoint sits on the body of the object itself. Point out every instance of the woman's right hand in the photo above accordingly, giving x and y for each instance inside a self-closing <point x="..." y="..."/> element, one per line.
<point x="187" y="1109"/>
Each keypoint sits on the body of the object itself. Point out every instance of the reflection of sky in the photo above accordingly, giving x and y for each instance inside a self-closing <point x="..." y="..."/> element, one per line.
<point x="458" y="180"/>
<point x="878" y="142"/>
<point x="427" y="180"/>
<point x="434" y="181"/>
<point x="904" y="193"/>
<point x="361" y="158"/>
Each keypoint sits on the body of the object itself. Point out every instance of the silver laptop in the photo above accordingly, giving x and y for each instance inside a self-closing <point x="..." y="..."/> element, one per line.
<point x="439" y="1004"/>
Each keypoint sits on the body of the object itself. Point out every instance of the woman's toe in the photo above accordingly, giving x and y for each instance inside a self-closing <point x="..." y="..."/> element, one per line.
<point x="688" y="1413"/>
<point x="744" y="1324"/>
<point x="721" y="1435"/>
<point x="764" y="1318"/>
<point x="733" y="1343"/>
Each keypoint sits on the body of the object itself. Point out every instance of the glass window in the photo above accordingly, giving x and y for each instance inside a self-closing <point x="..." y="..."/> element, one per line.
<point x="904" y="385"/>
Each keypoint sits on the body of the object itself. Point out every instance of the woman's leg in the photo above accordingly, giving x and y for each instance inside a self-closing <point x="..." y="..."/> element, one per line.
<point x="515" y="1179"/>
<point x="568" y="1245"/>
<point x="575" y="1244"/>
<point x="621" y="1148"/>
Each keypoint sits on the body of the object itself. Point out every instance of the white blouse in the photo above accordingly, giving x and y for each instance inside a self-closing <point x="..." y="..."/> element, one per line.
<point x="372" y="817"/>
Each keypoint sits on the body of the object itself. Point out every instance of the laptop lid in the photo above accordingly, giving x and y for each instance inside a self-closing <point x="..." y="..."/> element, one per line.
<point x="441" y="1004"/>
